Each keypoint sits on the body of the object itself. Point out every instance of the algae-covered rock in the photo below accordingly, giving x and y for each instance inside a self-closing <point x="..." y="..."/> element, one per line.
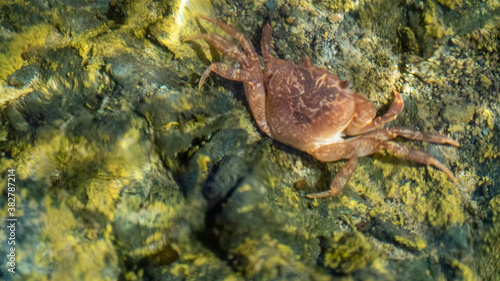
<point x="125" y="170"/>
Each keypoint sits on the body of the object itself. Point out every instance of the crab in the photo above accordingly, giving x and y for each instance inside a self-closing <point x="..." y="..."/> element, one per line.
<point x="312" y="110"/>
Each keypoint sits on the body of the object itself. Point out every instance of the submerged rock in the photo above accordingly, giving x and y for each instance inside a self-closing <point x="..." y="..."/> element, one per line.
<point x="125" y="170"/>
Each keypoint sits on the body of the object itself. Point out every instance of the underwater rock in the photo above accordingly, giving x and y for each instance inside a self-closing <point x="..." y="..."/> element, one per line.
<point x="125" y="170"/>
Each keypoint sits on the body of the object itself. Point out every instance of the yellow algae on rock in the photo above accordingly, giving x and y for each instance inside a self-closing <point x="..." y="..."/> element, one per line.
<point x="11" y="51"/>
<point x="459" y="114"/>
<point x="452" y="4"/>
<point x="349" y="252"/>
<point x="418" y="243"/>
<point x="434" y="25"/>
<point x="489" y="118"/>
<point x="181" y="23"/>
<point x="59" y="157"/>
<point x="133" y="192"/>
<point x="489" y="264"/>
<point x="203" y="161"/>
<point x="288" y="198"/>
<point x="181" y="270"/>
<point x="417" y="200"/>
<point x="353" y="204"/>
<point x="267" y="256"/>
<point x="467" y="273"/>
<point x="87" y="260"/>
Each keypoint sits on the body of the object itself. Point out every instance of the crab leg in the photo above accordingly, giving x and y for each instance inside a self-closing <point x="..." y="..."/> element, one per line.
<point x="339" y="181"/>
<point x="250" y="73"/>
<point x="373" y="142"/>
<point x="421" y="136"/>
<point x="417" y="156"/>
<point x="242" y="39"/>
<point x="354" y="147"/>
<point x="222" y="45"/>
<point x="225" y="71"/>
<point x="265" y="44"/>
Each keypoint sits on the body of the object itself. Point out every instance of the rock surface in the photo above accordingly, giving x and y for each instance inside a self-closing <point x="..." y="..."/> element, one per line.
<point x="125" y="171"/>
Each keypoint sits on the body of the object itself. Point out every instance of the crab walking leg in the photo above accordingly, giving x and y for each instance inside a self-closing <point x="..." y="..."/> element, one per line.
<point x="417" y="156"/>
<point x="225" y="71"/>
<point x="250" y="74"/>
<point x="339" y="181"/>
<point x="371" y="143"/>
<point x="222" y="45"/>
<point x="265" y="44"/>
<point x="256" y="96"/>
<point x="355" y="147"/>
<point x="421" y="136"/>
<point x="350" y="149"/>
<point x="242" y="39"/>
<point x="255" y="91"/>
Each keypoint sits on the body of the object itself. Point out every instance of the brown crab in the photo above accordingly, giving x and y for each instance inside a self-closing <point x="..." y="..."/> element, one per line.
<point x="312" y="110"/>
